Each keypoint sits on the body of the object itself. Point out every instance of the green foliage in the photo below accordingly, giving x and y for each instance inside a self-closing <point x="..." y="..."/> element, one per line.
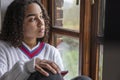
<point x="70" y="59"/>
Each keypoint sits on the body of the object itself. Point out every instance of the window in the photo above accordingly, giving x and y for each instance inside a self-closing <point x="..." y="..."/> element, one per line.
<point x="67" y="18"/>
<point x="78" y="30"/>
<point x="67" y="14"/>
<point x="69" y="50"/>
<point x="74" y="31"/>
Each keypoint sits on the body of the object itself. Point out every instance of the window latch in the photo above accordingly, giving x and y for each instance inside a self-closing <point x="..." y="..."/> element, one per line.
<point x="77" y="2"/>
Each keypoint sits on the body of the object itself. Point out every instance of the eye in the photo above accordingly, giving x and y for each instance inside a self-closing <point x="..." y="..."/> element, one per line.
<point x="41" y="17"/>
<point x="32" y="19"/>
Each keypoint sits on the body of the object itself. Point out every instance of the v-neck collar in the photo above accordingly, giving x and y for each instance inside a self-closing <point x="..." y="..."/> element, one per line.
<point x="29" y="49"/>
<point x="32" y="52"/>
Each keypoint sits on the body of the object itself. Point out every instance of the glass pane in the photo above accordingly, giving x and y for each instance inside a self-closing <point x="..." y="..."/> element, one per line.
<point x="67" y="14"/>
<point x="100" y="61"/>
<point x="69" y="49"/>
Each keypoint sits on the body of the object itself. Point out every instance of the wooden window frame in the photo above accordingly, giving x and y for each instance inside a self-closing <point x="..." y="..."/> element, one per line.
<point x="88" y="47"/>
<point x="84" y="36"/>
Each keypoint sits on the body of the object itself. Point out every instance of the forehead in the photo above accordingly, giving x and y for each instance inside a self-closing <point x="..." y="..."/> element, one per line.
<point x="33" y="8"/>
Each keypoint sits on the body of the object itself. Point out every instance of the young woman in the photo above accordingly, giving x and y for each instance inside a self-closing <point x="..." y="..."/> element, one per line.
<point x="22" y="42"/>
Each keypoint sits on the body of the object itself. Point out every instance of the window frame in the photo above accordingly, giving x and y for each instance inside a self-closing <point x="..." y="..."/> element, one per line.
<point x="84" y="37"/>
<point x="88" y="36"/>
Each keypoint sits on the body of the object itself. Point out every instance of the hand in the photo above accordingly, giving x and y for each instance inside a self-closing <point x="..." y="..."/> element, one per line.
<point x="40" y="65"/>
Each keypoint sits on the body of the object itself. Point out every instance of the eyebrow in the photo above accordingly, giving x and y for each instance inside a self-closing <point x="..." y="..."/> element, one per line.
<point x="31" y="14"/>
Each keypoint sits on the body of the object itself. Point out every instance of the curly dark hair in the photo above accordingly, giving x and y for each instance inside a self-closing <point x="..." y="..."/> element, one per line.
<point x="12" y="26"/>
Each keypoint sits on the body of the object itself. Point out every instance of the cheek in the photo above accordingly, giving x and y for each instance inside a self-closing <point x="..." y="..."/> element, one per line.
<point x="29" y="29"/>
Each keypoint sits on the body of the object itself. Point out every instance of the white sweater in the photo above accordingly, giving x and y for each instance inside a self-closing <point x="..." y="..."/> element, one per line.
<point x="18" y="63"/>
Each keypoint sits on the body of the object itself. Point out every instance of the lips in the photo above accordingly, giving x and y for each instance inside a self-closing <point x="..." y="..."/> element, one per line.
<point x="42" y="31"/>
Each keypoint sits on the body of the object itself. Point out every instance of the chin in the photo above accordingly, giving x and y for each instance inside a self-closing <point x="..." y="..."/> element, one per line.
<point x="40" y="36"/>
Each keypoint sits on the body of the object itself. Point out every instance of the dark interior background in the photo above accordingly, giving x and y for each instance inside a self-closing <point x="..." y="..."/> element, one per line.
<point x="111" y="54"/>
<point x="112" y="20"/>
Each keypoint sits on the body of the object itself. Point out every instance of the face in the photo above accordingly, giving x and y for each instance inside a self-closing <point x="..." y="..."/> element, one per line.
<point x="33" y="25"/>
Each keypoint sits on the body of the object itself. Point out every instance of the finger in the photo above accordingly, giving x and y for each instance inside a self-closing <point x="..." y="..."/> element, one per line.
<point x="55" y="66"/>
<point x="48" y="66"/>
<point x="42" y="71"/>
<point x="38" y="60"/>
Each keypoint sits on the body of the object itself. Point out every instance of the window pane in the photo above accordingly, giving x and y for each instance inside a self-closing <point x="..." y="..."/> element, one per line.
<point x="100" y="61"/>
<point x="69" y="49"/>
<point x="67" y="14"/>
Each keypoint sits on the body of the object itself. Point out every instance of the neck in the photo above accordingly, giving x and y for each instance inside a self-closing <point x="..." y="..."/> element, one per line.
<point x="30" y="43"/>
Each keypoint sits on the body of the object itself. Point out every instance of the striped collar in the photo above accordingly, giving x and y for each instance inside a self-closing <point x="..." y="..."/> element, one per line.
<point x="32" y="52"/>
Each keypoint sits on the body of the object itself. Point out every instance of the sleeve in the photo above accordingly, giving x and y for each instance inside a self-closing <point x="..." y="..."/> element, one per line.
<point x="20" y="71"/>
<point x="58" y="59"/>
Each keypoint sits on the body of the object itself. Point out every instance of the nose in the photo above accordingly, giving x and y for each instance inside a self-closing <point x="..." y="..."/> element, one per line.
<point x="40" y="22"/>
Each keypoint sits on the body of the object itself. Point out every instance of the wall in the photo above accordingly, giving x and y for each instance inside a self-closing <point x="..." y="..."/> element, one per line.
<point x="4" y="5"/>
<point x="111" y="58"/>
<point x="111" y="54"/>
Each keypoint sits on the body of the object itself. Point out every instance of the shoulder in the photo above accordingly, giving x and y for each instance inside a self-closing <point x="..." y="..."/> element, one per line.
<point x="47" y="45"/>
<point x="4" y="44"/>
<point x="51" y="48"/>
